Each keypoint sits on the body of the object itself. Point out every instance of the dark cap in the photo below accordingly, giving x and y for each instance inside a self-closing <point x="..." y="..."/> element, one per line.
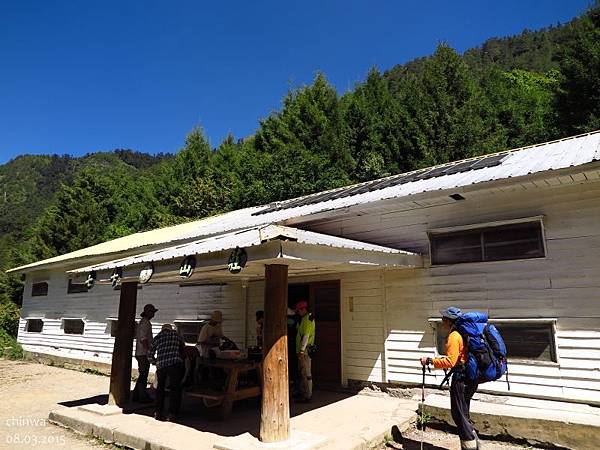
<point x="150" y="308"/>
<point x="451" y="312"/>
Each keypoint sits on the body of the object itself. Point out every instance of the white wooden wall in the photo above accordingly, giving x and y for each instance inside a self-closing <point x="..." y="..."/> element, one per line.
<point x="564" y="285"/>
<point x="101" y="302"/>
<point x="362" y="328"/>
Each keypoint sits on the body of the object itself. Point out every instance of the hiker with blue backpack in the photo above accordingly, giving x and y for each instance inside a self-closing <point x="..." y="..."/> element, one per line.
<point x="475" y="353"/>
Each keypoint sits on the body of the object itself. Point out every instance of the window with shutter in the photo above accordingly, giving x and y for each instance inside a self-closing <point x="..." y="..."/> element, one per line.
<point x="189" y="330"/>
<point x="76" y="288"/>
<point x="73" y="326"/>
<point x="39" y="289"/>
<point x="525" y="341"/>
<point x="492" y="243"/>
<point x="34" y="325"/>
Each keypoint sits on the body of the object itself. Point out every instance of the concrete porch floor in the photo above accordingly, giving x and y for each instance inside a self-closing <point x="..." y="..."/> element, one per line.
<point x="334" y="420"/>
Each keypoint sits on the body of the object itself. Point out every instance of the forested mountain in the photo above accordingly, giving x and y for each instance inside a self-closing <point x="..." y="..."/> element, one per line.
<point x="509" y="92"/>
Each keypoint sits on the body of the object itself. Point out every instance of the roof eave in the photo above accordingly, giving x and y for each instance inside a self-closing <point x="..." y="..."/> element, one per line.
<point x="327" y="210"/>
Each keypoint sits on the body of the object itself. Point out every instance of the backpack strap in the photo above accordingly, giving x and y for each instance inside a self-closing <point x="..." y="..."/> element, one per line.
<point x="448" y="373"/>
<point x="507" y="382"/>
<point x="446" y="380"/>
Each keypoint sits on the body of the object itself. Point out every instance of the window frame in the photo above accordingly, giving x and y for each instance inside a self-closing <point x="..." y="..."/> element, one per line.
<point x="76" y="288"/>
<point x="481" y="227"/>
<point x="63" y="323"/>
<point x="434" y="322"/>
<point x="112" y="322"/>
<point x="27" y="319"/>
<point x="37" y="294"/>
<point x="202" y="321"/>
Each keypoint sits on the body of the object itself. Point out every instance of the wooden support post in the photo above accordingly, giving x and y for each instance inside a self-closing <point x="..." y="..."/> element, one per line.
<point x="120" y="371"/>
<point x="275" y="413"/>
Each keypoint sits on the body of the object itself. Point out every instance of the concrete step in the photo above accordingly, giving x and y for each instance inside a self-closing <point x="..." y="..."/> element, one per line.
<point x="357" y="422"/>
<point x="540" y="422"/>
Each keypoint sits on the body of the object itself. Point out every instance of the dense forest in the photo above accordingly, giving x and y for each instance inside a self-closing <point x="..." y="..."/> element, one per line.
<point x="509" y="92"/>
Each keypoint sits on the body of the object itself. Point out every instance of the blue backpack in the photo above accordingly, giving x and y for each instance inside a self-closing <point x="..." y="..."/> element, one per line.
<point x="486" y="351"/>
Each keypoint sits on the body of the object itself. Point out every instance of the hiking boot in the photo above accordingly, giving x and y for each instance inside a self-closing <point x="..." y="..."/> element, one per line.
<point x="477" y="440"/>
<point x="469" y="445"/>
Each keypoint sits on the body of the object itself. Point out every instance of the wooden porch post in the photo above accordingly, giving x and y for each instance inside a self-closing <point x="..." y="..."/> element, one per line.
<point x="120" y="371"/>
<point x="275" y="413"/>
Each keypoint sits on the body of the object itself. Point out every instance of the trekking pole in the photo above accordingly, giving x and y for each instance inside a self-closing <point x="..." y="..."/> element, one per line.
<point x="423" y="404"/>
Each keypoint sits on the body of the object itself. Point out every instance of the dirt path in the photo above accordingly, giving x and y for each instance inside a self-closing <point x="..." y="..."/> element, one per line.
<point x="28" y="391"/>
<point x="439" y="440"/>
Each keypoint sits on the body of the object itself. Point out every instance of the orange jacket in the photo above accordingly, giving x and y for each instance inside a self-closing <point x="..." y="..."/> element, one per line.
<point x="455" y="349"/>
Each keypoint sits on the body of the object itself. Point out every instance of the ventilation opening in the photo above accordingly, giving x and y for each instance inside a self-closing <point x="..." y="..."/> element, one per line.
<point x="456" y="197"/>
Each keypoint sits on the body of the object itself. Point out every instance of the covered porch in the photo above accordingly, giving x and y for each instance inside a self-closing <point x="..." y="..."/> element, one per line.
<point x="329" y="423"/>
<point x="272" y="253"/>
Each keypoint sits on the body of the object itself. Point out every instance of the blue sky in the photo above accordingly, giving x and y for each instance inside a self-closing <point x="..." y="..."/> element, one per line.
<point x="77" y="77"/>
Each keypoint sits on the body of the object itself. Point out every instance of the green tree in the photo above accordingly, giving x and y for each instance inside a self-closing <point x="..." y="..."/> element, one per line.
<point x="228" y="168"/>
<point x="579" y="102"/>
<point x="103" y="203"/>
<point x="200" y="197"/>
<point x="523" y="104"/>
<point x="189" y="186"/>
<point x="378" y="129"/>
<point x="301" y="148"/>
<point x="451" y="110"/>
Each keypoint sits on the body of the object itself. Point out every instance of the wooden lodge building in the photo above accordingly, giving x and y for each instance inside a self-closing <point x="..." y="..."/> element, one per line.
<point x="515" y="234"/>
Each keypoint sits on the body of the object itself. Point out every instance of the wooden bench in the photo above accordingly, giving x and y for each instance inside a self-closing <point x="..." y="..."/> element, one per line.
<point x="222" y="400"/>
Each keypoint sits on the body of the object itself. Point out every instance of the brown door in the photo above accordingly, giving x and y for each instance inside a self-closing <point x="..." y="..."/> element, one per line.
<point x="325" y="303"/>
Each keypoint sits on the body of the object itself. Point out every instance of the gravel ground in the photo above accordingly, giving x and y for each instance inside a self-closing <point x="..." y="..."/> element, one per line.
<point x="28" y="392"/>
<point x="440" y="440"/>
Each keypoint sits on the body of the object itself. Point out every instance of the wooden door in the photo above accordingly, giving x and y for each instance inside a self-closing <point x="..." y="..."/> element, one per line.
<point x="325" y="303"/>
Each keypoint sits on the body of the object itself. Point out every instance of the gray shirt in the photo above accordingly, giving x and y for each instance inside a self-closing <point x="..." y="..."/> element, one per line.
<point x="144" y="331"/>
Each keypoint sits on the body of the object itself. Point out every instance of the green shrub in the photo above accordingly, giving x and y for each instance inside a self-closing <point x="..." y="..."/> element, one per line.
<point x="9" y="317"/>
<point x="9" y="347"/>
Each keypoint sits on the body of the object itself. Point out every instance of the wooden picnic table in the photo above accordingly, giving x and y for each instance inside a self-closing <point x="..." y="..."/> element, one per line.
<point x="222" y="400"/>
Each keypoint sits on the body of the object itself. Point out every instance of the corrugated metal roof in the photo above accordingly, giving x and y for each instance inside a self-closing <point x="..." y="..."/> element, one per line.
<point x="132" y="241"/>
<point x="555" y="155"/>
<point x="243" y="239"/>
<point x="423" y="174"/>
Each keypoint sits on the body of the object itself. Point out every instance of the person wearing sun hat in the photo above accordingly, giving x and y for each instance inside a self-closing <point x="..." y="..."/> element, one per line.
<point x="211" y="334"/>
<point x="461" y="389"/>
<point x="143" y="341"/>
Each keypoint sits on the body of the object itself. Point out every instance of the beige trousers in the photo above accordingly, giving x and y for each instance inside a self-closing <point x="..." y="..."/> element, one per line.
<point x="304" y="366"/>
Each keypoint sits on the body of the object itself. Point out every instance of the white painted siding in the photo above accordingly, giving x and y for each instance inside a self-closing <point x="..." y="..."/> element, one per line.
<point x="173" y="301"/>
<point x="362" y="329"/>
<point x="563" y="285"/>
<point x="363" y="326"/>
